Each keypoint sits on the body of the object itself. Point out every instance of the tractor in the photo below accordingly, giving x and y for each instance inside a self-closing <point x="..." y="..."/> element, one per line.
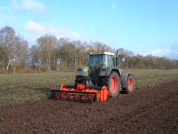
<point x="101" y="79"/>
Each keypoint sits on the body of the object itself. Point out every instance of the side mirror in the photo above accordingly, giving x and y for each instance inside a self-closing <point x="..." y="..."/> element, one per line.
<point x="123" y="59"/>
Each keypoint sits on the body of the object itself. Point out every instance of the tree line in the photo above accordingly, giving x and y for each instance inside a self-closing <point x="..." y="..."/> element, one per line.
<point x="64" y="54"/>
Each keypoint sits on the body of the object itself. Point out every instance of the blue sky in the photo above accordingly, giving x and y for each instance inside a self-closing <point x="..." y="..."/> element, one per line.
<point x="143" y="27"/>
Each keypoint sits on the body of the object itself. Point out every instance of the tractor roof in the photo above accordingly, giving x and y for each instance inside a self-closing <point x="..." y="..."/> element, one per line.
<point x="97" y="53"/>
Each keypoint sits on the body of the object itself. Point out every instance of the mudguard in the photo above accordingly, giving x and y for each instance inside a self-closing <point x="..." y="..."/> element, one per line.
<point x="80" y="73"/>
<point x="108" y="70"/>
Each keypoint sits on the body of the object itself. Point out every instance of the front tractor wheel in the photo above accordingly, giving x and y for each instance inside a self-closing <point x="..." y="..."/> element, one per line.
<point x="130" y="85"/>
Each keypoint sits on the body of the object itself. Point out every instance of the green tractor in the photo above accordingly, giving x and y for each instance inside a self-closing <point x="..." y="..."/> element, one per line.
<point x="103" y="70"/>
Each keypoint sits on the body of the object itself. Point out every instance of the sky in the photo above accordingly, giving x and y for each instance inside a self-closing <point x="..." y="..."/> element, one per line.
<point x="145" y="27"/>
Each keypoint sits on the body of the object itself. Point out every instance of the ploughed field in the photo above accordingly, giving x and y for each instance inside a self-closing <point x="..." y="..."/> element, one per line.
<point x="151" y="108"/>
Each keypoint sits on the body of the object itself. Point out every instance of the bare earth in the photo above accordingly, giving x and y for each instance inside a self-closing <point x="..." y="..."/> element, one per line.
<point x="151" y="110"/>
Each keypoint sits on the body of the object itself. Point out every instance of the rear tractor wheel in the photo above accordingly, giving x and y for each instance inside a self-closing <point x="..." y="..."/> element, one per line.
<point x="130" y="85"/>
<point x="112" y="83"/>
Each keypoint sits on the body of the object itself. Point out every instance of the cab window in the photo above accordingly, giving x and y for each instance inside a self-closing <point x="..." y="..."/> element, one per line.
<point x="112" y="61"/>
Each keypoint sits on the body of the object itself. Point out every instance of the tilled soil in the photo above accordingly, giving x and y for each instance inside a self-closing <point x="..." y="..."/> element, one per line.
<point x="151" y="110"/>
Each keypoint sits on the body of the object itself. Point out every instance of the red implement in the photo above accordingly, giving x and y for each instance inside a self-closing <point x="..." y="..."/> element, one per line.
<point x="90" y="94"/>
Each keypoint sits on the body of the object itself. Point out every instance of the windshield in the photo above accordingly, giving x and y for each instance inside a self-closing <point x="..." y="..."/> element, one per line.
<point x="95" y="60"/>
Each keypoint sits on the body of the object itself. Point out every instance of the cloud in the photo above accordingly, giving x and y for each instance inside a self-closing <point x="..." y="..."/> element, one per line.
<point x="63" y="32"/>
<point x="113" y="6"/>
<point x="174" y="51"/>
<point x="34" y="30"/>
<point x="76" y="34"/>
<point x="171" y="53"/>
<point x="29" y="5"/>
<point x="161" y="52"/>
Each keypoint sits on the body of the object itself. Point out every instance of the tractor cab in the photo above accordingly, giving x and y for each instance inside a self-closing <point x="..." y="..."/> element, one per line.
<point x="101" y="59"/>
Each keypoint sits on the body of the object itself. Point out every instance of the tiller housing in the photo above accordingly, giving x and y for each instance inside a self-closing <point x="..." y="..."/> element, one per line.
<point x="89" y="94"/>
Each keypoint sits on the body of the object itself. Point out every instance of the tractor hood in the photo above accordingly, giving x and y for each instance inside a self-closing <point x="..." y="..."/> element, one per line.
<point x="82" y="71"/>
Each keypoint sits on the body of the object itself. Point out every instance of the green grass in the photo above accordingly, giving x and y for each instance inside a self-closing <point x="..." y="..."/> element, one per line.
<point x="18" y="88"/>
<point x="148" y="78"/>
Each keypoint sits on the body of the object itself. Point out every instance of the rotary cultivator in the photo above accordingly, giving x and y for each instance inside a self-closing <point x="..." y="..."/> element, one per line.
<point x="86" y="94"/>
<point x="101" y="79"/>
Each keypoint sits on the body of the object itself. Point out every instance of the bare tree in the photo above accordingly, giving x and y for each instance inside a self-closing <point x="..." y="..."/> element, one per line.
<point x="7" y="44"/>
<point x="15" y="63"/>
<point x="51" y="53"/>
<point x="47" y="44"/>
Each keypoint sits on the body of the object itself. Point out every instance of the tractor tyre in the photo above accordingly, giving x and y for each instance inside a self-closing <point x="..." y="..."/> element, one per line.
<point x="130" y="85"/>
<point x="112" y="83"/>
